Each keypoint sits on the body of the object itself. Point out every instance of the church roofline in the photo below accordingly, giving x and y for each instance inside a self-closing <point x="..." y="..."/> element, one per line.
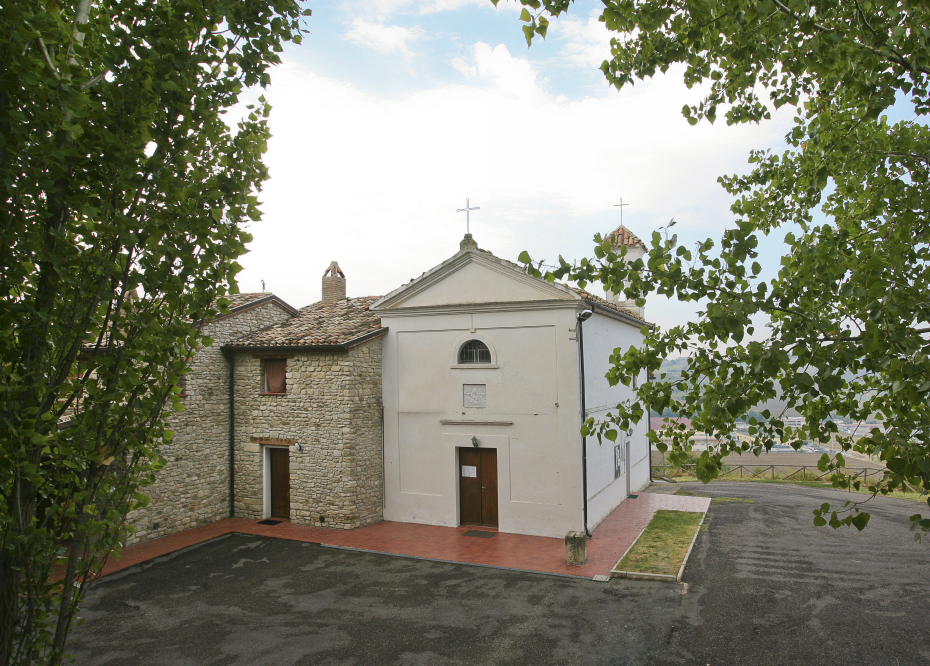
<point x="296" y="349"/>
<point x="513" y="306"/>
<point x="458" y="260"/>
<point x="622" y="315"/>
<point x="469" y="252"/>
<point x="262" y="300"/>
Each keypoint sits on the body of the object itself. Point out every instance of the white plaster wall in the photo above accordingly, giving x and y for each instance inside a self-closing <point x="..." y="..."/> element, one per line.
<point x="535" y="385"/>
<point x="602" y="336"/>
<point x="633" y="253"/>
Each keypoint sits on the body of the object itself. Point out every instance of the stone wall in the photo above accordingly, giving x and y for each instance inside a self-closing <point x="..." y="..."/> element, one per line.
<point x="333" y="409"/>
<point x="193" y="488"/>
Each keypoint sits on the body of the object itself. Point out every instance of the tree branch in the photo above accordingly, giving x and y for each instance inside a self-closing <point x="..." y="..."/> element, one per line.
<point x="94" y="81"/>
<point x="48" y="59"/>
<point x="891" y="54"/>
<point x="81" y="17"/>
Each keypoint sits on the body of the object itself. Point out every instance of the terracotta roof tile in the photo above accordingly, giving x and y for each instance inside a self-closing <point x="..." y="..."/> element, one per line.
<point x="319" y="324"/>
<point x="623" y="236"/>
<point x="605" y="303"/>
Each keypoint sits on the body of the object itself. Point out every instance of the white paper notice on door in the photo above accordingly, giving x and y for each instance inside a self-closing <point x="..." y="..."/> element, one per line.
<point x="469" y="471"/>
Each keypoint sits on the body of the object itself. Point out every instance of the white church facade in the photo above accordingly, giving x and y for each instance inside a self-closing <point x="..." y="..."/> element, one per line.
<point x="456" y="399"/>
<point x="482" y="400"/>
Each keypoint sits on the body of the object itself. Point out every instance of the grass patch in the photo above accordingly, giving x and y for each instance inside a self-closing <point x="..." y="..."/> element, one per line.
<point x="663" y="544"/>
<point x="724" y="500"/>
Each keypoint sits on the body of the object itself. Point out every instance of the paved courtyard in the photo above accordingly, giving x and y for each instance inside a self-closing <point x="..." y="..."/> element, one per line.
<point x="611" y="539"/>
<point x="764" y="587"/>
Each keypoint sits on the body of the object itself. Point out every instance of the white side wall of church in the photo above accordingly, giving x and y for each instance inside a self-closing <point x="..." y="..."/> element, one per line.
<point x="602" y="335"/>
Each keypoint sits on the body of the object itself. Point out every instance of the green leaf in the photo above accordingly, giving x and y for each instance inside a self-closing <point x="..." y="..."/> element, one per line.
<point x="822" y="464"/>
<point x="860" y="520"/>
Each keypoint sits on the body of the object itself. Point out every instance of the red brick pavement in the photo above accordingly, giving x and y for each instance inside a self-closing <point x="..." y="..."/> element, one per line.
<point x="512" y="551"/>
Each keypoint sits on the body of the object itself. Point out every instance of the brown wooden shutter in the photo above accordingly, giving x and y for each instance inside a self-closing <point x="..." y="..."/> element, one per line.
<point x="274" y="375"/>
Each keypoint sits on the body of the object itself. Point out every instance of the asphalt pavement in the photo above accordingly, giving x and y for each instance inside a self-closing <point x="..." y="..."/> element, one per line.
<point x="764" y="586"/>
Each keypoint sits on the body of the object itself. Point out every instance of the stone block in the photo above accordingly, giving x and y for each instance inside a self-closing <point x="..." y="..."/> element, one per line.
<point x="576" y="549"/>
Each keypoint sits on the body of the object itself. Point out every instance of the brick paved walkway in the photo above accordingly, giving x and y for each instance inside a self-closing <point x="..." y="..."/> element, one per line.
<point x="513" y="551"/>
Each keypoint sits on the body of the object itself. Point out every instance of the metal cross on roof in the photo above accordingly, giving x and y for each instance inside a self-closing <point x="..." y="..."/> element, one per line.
<point x="621" y="205"/>
<point x="467" y="210"/>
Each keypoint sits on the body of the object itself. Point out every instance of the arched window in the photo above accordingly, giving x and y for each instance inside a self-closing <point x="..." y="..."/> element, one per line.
<point x="474" y="351"/>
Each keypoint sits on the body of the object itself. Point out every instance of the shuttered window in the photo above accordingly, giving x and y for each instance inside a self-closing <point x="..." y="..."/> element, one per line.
<point x="274" y="375"/>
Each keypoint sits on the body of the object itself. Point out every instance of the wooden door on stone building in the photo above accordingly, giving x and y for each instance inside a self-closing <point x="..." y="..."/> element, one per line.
<point x="478" y="486"/>
<point x="279" y="460"/>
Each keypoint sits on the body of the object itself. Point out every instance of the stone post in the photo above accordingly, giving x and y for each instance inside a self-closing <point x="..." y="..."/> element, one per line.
<point x="576" y="548"/>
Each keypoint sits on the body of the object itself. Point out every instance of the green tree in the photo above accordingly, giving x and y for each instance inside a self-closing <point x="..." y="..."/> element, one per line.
<point x="848" y="310"/>
<point x="124" y="194"/>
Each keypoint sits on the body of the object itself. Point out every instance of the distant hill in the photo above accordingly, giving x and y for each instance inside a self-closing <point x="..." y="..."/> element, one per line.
<point x="672" y="368"/>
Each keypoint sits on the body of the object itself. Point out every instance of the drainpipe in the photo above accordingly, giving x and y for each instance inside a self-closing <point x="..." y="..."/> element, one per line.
<point x="231" y="359"/>
<point x="583" y="317"/>
<point x="649" y="444"/>
<point x="383" y="501"/>
<point x="648" y="430"/>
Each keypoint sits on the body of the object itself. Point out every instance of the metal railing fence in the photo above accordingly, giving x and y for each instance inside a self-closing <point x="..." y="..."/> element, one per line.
<point x="805" y="472"/>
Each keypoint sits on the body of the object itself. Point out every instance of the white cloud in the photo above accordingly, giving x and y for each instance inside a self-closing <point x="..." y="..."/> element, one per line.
<point x="431" y="6"/>
<point x="511" y="76"/>
<point x="386" y="38"/>
<point x="587" y="42"/>
<point x="373" y="182"/>
<point x="384" y="8"/>
<point x="469" y="71"/>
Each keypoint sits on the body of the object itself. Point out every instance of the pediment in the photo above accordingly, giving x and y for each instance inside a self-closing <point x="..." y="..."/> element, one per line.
<point x="473" y="278"/>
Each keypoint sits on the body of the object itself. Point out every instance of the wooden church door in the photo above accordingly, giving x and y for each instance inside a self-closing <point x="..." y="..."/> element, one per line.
<point x="478" y="486"/>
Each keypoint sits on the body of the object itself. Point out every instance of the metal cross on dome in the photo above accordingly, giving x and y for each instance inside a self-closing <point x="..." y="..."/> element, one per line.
<point x="467" y="210"/>
<point x="621" y="205"/>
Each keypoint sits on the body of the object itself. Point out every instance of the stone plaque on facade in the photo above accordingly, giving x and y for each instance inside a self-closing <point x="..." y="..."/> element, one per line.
<point x="475" y="395"/>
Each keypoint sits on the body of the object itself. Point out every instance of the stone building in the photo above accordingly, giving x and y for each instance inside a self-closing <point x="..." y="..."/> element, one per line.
<point x="456" y="399"/>
<point x="309" y="448"/>
<point x="193" y="488"/>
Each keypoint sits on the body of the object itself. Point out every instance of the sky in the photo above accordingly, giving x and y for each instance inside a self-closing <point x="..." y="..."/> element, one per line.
<point x="392" y="112"/>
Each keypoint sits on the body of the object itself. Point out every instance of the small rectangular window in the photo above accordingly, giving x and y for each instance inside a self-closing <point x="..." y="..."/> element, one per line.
<point x="618" y="461"/>
<point x="275" y="370"/>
